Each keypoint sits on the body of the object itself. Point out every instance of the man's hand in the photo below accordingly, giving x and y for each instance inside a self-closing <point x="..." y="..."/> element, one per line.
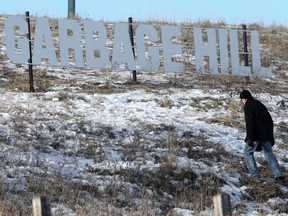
<point x="250" y="143"/>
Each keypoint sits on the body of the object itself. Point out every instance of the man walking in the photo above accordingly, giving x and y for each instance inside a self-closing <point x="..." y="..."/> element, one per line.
<point x="259" y="135"/>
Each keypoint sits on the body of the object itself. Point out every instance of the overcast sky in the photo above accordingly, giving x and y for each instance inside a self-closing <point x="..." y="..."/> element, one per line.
<point x="231" y="11"/>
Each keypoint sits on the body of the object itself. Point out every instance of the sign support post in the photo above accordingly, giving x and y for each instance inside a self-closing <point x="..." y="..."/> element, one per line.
<point x="132" y="44"/>
<point x="246" y="60"/>
<point x="31" y="81"/>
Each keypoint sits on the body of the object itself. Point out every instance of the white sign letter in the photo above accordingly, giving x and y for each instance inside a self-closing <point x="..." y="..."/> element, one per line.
<point x="97" y="55"/>
<point x="201" y="50"/>
<point x="257" y="69"/>
<point x="17" y="52"/>
<point x="122" y="49"/>
<point x="66" y="28"/>
<point x="149" y="61"/>
<point x="224" y="56"/>
<point x="169" y="49"/>
<point x="234" y="47"/>
<point x="43" y="36"/>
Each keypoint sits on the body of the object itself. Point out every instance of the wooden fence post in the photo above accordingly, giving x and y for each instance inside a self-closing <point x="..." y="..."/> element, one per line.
<point x="41" y="206"/>
<point x="222" y="204"/>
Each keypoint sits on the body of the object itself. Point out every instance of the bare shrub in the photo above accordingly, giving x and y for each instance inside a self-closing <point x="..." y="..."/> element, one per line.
<point x="166" y="102"/>
<point x="8" y="208"/>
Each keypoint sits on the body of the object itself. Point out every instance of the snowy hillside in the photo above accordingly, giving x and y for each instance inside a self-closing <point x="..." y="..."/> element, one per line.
<point x="98" y="144"/>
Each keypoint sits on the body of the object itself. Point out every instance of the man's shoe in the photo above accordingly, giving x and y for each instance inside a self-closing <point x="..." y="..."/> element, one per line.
<point x="280" y="180"/>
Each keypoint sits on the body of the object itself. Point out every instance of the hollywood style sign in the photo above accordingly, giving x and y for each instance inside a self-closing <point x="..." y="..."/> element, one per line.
<point x="89" y="45"/>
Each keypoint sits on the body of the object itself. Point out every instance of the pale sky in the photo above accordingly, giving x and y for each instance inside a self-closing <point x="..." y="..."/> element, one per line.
<point x="231" y="11"/>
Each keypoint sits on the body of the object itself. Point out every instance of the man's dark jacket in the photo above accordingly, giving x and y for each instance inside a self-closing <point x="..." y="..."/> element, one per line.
<point x="259" y="124"/>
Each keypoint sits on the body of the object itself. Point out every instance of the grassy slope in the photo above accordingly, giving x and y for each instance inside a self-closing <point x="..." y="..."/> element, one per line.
<point x="84" y="198"/>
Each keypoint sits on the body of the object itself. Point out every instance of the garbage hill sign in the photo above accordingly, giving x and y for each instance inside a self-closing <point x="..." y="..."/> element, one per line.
<point x="89" y="42"/>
